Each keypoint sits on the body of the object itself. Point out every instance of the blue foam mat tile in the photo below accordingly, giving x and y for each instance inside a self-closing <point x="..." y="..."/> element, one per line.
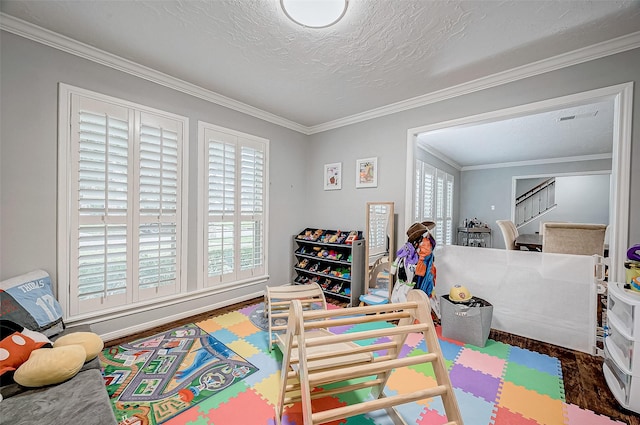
<point x="537" y="361"/>
<point x="474" y="410"/>
<point x="266" y="365"/>
<point x="260" y="340"/>
<point x="225" y="336"/>
<point x="449" y="351"/>
<point x="410" y="412"/>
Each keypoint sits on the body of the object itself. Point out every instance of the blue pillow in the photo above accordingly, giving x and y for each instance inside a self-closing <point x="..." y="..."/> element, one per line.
<point x="29" y="301"/>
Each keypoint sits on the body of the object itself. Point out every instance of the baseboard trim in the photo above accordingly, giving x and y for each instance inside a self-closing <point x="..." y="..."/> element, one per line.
<point x="131" y="330"/>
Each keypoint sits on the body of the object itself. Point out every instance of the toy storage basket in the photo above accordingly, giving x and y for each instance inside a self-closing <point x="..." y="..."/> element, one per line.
<point x="466" y="322"/>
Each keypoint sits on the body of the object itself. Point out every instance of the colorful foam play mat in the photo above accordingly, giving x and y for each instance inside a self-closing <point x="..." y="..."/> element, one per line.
<point x="220" y="371"/>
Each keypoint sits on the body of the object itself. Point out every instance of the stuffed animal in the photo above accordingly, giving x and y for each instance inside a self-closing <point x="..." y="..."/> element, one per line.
<point x="31" y="360"/>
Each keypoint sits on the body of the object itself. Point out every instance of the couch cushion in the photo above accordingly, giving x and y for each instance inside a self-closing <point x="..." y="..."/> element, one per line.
<point x="80" y="400"/>
<point x="29" y="301"/>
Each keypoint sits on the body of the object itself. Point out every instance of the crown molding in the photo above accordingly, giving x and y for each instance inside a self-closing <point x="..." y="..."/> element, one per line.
<point x="579" y="158"/>
<point x="66" y="44"/>
<point x="596" y="51"/>
<point x="57" y="41"/>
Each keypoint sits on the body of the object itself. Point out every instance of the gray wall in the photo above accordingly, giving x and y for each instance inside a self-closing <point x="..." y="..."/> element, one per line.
<point x="525" y="185"/>
<point x="483" y="188"/>
<point x="28" y="165"/>
<point x="386" y="138"/>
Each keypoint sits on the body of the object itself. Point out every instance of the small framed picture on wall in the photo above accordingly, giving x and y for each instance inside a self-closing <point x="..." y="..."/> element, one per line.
<point x="367" y="172"/>
<point x="333" y="176"/>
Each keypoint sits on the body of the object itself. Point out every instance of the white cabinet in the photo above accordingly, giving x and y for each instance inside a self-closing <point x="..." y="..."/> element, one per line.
<point x="622" y="346"/>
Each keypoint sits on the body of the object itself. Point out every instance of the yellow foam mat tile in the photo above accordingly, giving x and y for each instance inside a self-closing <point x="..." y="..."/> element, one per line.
<point x="229" y="319"/>
<point x="269" y="388"/>
<point x="243" y="329"/>
<point x="405" y="381"/>
<point x="530" y="404"/>
<point x="243" y="348"/>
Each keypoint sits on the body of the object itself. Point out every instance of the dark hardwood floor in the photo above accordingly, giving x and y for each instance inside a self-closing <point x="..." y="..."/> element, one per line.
<point x="584" y="382"/>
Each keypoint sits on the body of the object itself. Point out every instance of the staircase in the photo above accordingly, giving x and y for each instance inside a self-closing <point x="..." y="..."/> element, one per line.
<point x="535" y="202"/>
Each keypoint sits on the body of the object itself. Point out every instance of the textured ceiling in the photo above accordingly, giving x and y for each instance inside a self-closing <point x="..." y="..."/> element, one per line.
<point x="382" y="52"/>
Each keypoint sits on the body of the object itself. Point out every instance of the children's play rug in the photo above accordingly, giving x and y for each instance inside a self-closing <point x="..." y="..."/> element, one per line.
<point x="220" y="371"/>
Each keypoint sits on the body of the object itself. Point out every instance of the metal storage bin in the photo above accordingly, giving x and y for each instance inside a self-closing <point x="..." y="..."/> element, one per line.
<point x="466" y="322"/>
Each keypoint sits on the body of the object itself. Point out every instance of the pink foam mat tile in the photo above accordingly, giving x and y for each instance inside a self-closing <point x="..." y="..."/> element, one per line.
<point x="235" y="410"/>
<point x="574" y="415"/>
<point x="293" y="414"/>
<point x="504" y="416"/>
<point x="413" y="339"/>
<point x="481" y="362"/>
<point x="189" y="417"/>
<point x="432" y="417"/>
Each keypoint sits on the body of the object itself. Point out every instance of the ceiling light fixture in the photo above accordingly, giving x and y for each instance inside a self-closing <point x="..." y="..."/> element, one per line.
<point x="314" y="13"/>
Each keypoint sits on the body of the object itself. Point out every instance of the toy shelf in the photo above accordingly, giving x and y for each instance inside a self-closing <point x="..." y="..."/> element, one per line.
<point x="337" y="267"/>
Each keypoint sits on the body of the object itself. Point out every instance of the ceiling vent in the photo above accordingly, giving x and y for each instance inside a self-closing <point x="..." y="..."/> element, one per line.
<point x="578" y="116"/>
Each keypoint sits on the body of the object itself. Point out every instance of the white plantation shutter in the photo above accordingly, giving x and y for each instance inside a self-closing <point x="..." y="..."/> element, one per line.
<point x="100" y="194"/>
<point x="159" y="206"/>
<point x="234" y="206"/>
<point x="124" y="175"/>
<point x="425" y="189"/>
<point x="252" y="194"/>
<point x="222" y="206"/>
<point x="448" y="212"/>
<point x="439" y="230"/>
<point x="434" y="200"/>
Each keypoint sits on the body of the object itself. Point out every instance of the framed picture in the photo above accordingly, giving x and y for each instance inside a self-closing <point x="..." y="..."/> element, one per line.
<point x="333" y="176"/>
<point x="367" y="172"/>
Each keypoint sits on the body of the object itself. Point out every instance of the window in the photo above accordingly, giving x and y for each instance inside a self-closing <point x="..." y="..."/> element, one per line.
<point x="121" y="201"/>
<point x="434" y="200"/>
<point x="232" y="207"/>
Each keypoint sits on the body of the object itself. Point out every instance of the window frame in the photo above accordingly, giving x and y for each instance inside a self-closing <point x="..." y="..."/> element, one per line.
<point x="241" y="279"/>
<point x="66" y="220"/>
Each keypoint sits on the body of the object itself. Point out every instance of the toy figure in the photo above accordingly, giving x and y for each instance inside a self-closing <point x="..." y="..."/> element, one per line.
<point x="425" y="269"/>
<point x="353" y="235"/>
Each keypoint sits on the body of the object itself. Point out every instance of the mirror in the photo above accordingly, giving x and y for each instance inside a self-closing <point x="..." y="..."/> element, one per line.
<point x="379" y="249"/>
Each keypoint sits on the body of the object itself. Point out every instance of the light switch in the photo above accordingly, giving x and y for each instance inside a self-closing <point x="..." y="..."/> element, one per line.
<point x="493" y="207"/>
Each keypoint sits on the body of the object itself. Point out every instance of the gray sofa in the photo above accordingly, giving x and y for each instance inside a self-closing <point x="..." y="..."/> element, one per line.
<point x="82" y="399"/>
